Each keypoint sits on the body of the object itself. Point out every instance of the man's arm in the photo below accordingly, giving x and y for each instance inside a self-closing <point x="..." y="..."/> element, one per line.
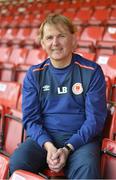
<point x="95" y="110"/>
<point x="31" y="110"/>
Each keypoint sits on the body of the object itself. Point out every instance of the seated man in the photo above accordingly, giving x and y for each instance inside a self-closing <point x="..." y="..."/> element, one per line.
<point x="64" y="108"/>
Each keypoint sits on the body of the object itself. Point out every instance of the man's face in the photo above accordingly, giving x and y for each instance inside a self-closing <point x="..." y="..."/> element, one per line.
<point x="57" y="41"/>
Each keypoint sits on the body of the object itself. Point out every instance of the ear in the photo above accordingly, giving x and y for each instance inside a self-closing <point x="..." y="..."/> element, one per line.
<point x="42" y="44"/>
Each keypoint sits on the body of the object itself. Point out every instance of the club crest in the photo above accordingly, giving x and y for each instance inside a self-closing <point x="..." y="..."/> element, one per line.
<point x="77" y="88"/>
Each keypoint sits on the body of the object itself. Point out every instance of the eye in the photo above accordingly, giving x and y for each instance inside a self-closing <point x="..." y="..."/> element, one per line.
<point x="61" y="35"/>
<point x="49" y="37"/>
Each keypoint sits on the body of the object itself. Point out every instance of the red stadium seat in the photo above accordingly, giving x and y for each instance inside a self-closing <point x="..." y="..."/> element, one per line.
<point x="92" y="33"/>
<point x="2" y="33"/>
<point x="7" y="20"/>
<point x="5" y="53"/>
<point x="20" y="72"/>
<point x="7" y="71"/>
<point x="4" y="166"/>
<point x="9" y="93"/>
<point x="100" y="16"/>
<point x="22" y="35"/>
<point x="12" y="129"/>
<point x="108" y="159"/>
<point x="25" y="175"/>
<point x="36" y="56"/>
<point x="9" y="36"/>
<point x="82" y="16"/>
<point x="18" y="55"/>
<point x="108" y="65"/>
<point x="32" y="40"/>
<point x="110" y="34"/>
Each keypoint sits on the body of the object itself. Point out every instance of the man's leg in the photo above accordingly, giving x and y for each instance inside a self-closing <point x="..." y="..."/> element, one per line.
<point x="29" y="156"/>
<point x="84" y="163"/>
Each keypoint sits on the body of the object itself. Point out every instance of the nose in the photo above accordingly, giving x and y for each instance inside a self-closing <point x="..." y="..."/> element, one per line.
<point x="55" y="41"/>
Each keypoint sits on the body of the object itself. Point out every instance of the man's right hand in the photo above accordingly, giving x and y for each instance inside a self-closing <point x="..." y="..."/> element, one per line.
<point x="51" y="150"/>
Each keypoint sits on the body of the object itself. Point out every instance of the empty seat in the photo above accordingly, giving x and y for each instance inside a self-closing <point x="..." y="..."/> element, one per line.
<point x="20" y="72"/>
<point x="108" y="64"/>
<point x="32" y="40"/>
<point x="25" y="175"/>
<point x="36" y="56"/>
<point x="9" y="93"/>
<point x="18" y="55"/>
<point x="4" y="166"/>
<point x="13" y="131"/>
<point x="7" y="71"/>
<point x="82" y="16"/>
<point x="9" y="36"/>
<point x="22" y="35"/>
<point x="5" y="53"/>
<point x="100" y="16"/>
<point x="7" y="20"/>
<point x="110" y="34"/>
<point x="92" y="33"/>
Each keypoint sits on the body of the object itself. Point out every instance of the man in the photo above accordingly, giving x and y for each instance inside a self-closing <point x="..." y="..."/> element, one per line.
<point x="64" y="108"/>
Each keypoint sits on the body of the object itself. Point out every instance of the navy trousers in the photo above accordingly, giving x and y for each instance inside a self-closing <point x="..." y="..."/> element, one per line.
<point x="84" y="163"/>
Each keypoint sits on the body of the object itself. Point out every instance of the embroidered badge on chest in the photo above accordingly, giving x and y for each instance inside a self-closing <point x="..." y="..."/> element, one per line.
<point x="77" y="88"/>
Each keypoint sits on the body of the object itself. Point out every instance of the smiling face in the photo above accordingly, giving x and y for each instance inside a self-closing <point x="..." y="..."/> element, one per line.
<point x="59" y="43"/>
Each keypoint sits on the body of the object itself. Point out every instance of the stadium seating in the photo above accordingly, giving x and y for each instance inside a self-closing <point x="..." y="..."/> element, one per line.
<point x="4" y="166"/>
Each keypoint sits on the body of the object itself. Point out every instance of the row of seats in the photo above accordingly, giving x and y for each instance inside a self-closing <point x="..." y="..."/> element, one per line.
<point x="82" y="17"/>
<point x="47" y="6"/>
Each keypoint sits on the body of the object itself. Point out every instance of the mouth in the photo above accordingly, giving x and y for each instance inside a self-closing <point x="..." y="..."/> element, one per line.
<point x="56" y="50"/>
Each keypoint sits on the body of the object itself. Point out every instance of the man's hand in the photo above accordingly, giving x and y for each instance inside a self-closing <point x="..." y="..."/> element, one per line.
<point x="56" y="158"/>
<point x="60" y="158"/>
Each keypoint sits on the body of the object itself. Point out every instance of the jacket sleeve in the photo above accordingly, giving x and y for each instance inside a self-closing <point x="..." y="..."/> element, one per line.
<point x="31" y="110"/>
<point x="95" y="110"/>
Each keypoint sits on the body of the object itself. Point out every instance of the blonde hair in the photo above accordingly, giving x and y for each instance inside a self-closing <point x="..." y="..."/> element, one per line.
<point x="54" y="19"/>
